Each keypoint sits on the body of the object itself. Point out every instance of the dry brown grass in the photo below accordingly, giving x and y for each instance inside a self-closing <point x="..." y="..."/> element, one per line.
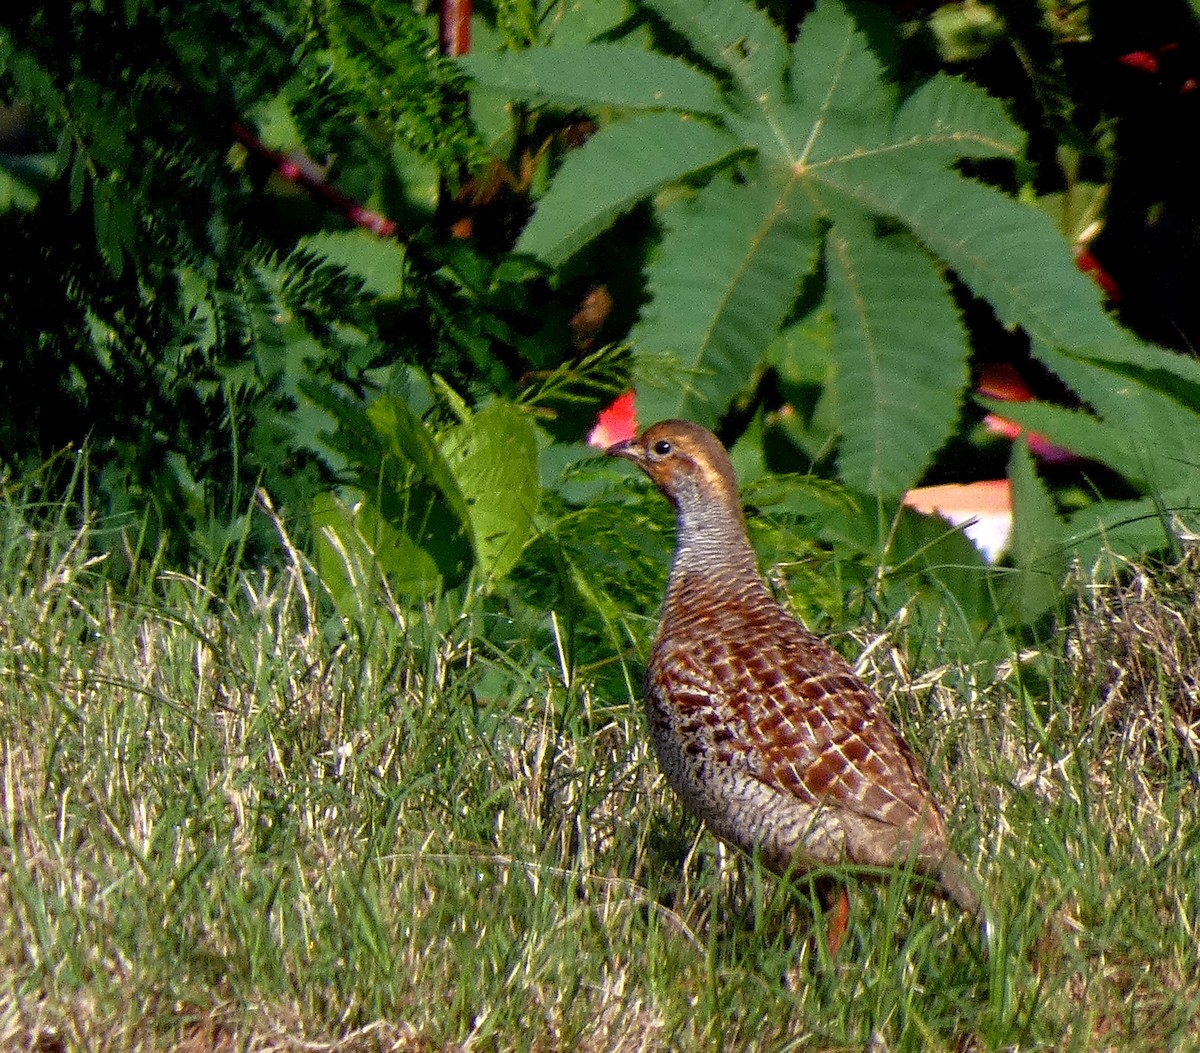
<point x="1135" y="647"/>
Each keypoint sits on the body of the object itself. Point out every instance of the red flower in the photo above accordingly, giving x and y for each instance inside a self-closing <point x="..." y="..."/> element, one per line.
<point x="1146" y="61"/>
<point x="1088" y="263"/>
<point x="615" y="424"/>
<point x="1003" y="382"/>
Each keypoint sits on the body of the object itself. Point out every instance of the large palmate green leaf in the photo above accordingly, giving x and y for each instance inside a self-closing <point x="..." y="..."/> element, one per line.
<point x="598" y="183"/>
<point x="731" y="261"/>
<point x="596" y="75"/>
<point x="816" y="138"/>
<point x="889" y="356"/>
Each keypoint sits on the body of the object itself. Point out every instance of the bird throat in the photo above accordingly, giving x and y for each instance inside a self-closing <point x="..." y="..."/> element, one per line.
<point x="711" y="540"/>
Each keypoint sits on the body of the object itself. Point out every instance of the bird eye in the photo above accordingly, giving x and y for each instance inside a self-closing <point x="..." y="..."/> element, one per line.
<point x="662" y="448"/>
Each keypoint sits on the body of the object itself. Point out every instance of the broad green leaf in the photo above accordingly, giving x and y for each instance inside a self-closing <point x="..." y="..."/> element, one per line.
<point x="1132" y="528"/>
<point x="1161" y="433"/>
<point x="828" y="147"/>
<point x="958" y="119"/>
<point x="621" y="164"/>
<point x="899" y="355"/>
<point x="408" y="440"/>
<point x="342" y="557"/>
<point x="596" y="75"/>
<point x="412" y="503"/>
<point x="355" y="544"/>
<point x="734" y="36"/>
<point x="1163" y="369"/>
<point x="933" y="570"/>
<point x="415" y="489"/>
<point x="841" y="103"/>
<point x="801" y="350"/>
<point x="493" y="456"/>
<point x="806" y="496"/>
<point x="730" y="264"/>
<point x="1037" y="542"/>
<point x="22" y="179"/>
<point x="112" y="211"/>
<point x="1008" y="253"/>
<point x="581" y="21"/>
<point x="275" y="122"/>
<point x="1077" y="431"/>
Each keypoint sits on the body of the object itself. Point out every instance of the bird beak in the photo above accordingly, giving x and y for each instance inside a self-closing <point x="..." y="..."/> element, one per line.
<point x="630" y="449"/>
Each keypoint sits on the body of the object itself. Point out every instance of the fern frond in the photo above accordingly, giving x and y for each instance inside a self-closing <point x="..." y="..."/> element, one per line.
<point x="385" y="59"/>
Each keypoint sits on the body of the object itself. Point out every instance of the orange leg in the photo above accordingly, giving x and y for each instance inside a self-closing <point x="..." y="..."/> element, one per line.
<point x="837" y="919"/>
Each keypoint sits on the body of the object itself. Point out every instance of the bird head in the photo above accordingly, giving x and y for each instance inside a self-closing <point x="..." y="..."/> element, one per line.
<point x="687" y="463"/>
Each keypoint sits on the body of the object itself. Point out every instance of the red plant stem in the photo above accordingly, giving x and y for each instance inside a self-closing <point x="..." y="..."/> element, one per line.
<point x="304" y="174"/>
<point x="454" y="27"/>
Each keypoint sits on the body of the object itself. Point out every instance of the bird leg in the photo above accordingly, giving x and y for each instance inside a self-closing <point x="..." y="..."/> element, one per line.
<point x="836" y="901"/>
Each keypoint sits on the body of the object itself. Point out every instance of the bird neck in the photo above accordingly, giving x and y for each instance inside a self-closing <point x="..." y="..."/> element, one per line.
<point x="711" y="541"/>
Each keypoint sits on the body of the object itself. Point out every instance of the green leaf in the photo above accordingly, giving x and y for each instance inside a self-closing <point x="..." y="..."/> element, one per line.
<point x="416" y="492"/>
<point x="579" y="23"/>
<point x="1161" y="434"/>
<point x="1129" y="528"/>
<point x="730" y="264"/>
<point x="1162" y="368"/>
<point x="433" y="509"/>
<point x="840" y="103"/>
<point x="493" y="456"/>
<point x="899" y="352"/>
<point x="1077" y="431"/>
<point x="830" y="147"/>
<point x="1006" y="252"/>
<point x="621" y="164"/>
<point x="734" y="36"/>
<point x="22" y="179"/>
<point x="1037" y="546"/>
<point x="113" y="215"/>
<point x="595" y="75"/>
<point x="408" y="440"/>
<point x="355" y="545"/>
<point x="955" y="119"/>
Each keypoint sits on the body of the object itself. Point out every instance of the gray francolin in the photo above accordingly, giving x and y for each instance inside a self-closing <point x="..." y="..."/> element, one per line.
<point x="764" y="730"/>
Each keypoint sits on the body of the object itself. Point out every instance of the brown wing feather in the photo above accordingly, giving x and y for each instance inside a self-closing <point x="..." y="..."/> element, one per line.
<point x="817" y="731"/>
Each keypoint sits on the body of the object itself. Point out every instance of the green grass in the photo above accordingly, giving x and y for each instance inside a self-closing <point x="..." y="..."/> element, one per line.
<point x="231" y="820"/>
